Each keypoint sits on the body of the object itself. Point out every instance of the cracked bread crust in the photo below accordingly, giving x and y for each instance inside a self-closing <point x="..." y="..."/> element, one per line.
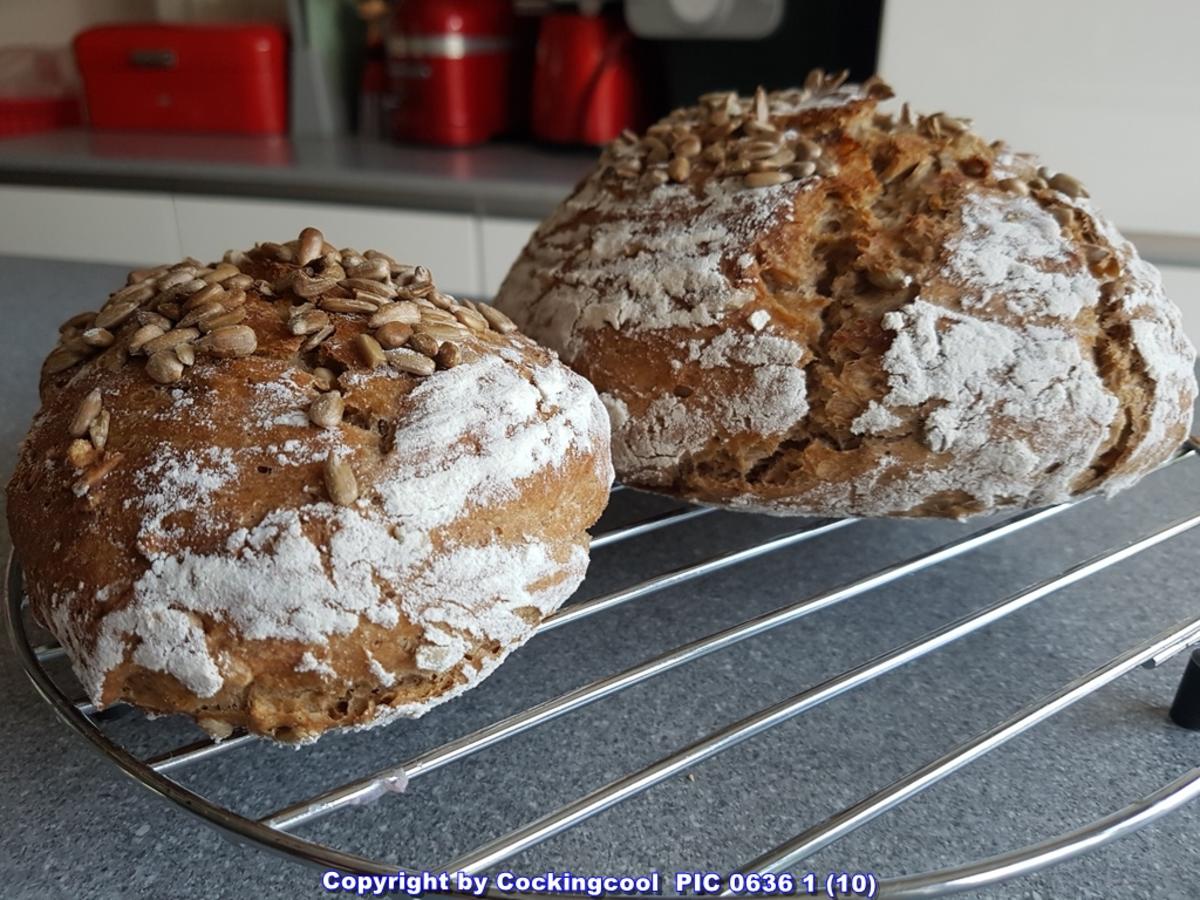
<point x="192" y="561"/>
<point x="926" y="325"/>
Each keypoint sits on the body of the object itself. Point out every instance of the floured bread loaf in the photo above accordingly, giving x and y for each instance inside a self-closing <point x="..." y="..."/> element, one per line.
<point x="794" y="303"/>
<point x="301" y="489"/>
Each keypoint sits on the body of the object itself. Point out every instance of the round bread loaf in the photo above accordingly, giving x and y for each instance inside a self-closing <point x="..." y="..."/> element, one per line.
<point x="794" y="303"/>
<point x="301" y="489"/>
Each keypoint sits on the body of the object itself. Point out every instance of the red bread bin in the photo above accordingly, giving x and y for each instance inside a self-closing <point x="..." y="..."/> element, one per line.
<point x="448" y="70"/>
<point x="207" y="78"/>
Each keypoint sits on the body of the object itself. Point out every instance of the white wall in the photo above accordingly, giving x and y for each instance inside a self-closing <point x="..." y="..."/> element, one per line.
<point x="1107" y="91"/>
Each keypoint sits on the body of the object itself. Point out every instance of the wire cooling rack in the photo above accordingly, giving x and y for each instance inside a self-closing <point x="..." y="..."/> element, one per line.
<point x="164" y="772"/>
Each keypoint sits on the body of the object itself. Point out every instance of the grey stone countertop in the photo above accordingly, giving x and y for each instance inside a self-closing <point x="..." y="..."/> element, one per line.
<point x="73" y="826"/>
<point x="495" y="179"/>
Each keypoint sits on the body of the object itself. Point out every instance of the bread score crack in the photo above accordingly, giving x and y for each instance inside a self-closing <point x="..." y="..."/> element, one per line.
<point x="831" y="309"/>
<point x="221" y="568"/>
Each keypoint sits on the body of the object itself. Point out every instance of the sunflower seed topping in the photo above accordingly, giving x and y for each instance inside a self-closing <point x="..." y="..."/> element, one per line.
<point x="327" y="409"/>
<point x="310" y="246"/>
<point x="393" y="334"/>
<point x="98" y="337"/>
<point x="89" y="408"/>
<point x="496" y="319"/>
<point x="230" y="341"/>
<point x="411" y="361"/>
<point x="98" y="429"/>
<point x="323" y="378"/>
<point x="370" y="351"/>
<point x="448" y="356"/>
<point x="164" y="367"/>
<point x="340" y="483"/>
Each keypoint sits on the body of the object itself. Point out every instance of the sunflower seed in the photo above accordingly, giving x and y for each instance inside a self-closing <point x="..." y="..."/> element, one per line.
<point x="185" y="353"/>
<point x="802" y="169"/>
<point x="323" y="378"/>
<point x="98" y="429"/>
<point x="272" y="250"/>
<point x="81" y="453"/>
<point x="316" y="339"/>
<point x="657" y="151"/>
<point x="449" y="355"/>
<point x="766" y="179"/>
<point x="375" y="269"/>
<point x="98" y="337"/>
<point x="327" y="409"/>
<point x="393" y="334"/>
<point x="366" y="285"/>
<point x="232" y="317"/>
<point x="170" y="340"/>
<point x="149" y="317"/>
<point x="657" y="177"/>
<point x="222" y="273"/>
<point x="1064" y="215"/>
<point x="206" y="295"/>
<point x="687" y="147"/>
<point x="142" y="336"/>
<point x="311" y="246"/>
<point x="403" y="311"/>
<point x="471" y="319"/>
<point x="308" y="321"/>
<point x="1015" y="186"/>
<point x="411" y="361"/>
<point x="754" y="150"/>
<point x="679" y="169"/>
<point x="114" y="315"/>
<point x="441" y="331"/>
<point x="239" y="282"/>
<point x="236" y="257"/>
<point x="135" y="293"/>
<point x="169" y="311"/>
<point x="175" y="278"/>
<point x="370" y="351"/>
<point x="498" y="320"/>
<point x="205" y="311"/>
<point x="424" y="344"/>
<point x="139" y="275"/>
<point x="340" y="482"/>
<point x="79" y="320"/>
<point x="441" y="301"/>
<point x="229" y="341"/>
<point x="1072" y="187"/>
<point x="89" y="408"/>
<point x="761" y="112"/>
<point x="346" y="305"/>
<point x="806" y="149"/>
<point x="304" y="285"/>
<point x="164" y="367"/>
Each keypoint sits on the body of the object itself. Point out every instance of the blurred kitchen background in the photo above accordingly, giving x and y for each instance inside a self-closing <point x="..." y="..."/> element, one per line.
<point x="135" y="131"/>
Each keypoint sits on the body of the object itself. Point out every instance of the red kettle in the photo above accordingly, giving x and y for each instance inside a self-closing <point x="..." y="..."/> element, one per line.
<point x="585" y="88"/>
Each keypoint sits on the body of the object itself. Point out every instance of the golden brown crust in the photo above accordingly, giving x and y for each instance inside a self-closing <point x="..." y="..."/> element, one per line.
<point x="192" y="558"/>
<point x="901" y="320"/>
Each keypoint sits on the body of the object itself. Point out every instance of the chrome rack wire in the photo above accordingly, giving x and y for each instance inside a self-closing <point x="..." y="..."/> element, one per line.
<point x="272" y="831"/>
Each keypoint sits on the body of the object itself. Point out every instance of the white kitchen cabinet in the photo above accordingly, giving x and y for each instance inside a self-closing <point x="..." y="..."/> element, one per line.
<point x="445" y="242"/>
<point x="91" y="225"/>
<point x="502" y="241"/>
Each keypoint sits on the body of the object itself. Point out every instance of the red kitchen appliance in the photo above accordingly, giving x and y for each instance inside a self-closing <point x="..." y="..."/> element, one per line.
<point x="207" y="78"/>
<point x="448" y="64"/>
<point x="585" y="88"/>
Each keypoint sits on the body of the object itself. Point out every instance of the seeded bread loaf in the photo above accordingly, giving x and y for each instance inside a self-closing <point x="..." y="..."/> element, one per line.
<point x="301" y="489"/>
<point x="795" y="303"/>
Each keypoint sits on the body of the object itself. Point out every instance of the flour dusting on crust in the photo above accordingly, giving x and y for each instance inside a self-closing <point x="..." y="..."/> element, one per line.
<point x="468" y="439"/>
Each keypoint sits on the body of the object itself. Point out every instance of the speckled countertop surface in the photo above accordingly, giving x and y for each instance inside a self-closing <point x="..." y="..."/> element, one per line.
<point x="75" y="827"/>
